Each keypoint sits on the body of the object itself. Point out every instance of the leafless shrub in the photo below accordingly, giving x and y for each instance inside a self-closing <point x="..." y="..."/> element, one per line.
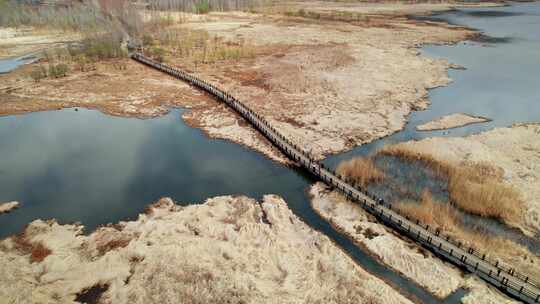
<point x="194" y="47"/>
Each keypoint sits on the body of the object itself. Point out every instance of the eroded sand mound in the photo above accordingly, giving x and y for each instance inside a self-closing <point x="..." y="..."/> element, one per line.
<point x="228" y="250"/>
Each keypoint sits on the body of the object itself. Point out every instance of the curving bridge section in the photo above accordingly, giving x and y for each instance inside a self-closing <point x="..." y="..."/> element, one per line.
<point x="503" y="277"/>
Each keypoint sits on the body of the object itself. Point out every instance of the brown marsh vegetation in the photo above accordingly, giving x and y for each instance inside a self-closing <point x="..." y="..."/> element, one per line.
<point x="472" y="188"/>
<point x="444" y="216"/>
<point x="362" y="171"/>
<point x="37" y="251"/>
<point x="430" y="212"/>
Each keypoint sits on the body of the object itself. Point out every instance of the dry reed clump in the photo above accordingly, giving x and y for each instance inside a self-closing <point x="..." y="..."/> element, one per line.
<point x="476" y="188"/>
<point x="362" y="171"/>
<point x="441" y="169"/>
<point x="482" y="195"/>
<point x="431" y="212"/>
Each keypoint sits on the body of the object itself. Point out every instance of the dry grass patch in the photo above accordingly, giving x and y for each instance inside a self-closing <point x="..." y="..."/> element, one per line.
<point x="431" y="212"/>
<point x="362" y="171"/>
<point x="474" y="188"/>
<point x="38" y="252"/>
<point x="483" y="195"/>
<point x="444" y="216"/>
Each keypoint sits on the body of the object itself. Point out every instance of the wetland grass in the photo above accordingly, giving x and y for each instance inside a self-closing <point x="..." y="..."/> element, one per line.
<point x="362" y="171"/>
<point x="475" y="188"/>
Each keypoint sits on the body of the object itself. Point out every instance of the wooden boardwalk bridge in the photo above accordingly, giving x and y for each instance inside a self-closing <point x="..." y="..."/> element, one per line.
<point x="503" y="277"/>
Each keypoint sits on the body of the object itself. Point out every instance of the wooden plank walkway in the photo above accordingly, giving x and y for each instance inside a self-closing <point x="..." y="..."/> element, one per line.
<point x="503" y="277"/>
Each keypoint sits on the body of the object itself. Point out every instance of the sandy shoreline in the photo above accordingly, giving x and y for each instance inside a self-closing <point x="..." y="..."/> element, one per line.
<point x="451" y="121"/>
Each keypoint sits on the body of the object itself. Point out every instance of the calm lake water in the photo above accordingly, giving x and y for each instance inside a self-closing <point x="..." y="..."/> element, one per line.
<point x="96" y="169"/>
<point x="88" y="167"/>
<point x="501" y="80"/>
